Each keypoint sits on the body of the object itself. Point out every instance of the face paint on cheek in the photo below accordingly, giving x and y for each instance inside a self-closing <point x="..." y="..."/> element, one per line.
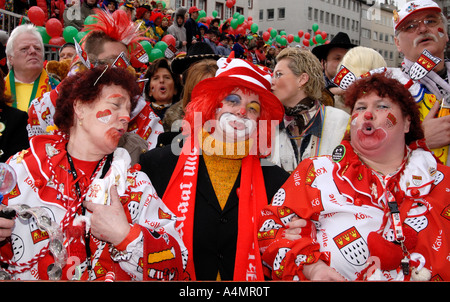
<point x="391" y="120"/>
<point x="441" y="32"/>
<point x="104" y="116"/>
<point x="354" y="119"/>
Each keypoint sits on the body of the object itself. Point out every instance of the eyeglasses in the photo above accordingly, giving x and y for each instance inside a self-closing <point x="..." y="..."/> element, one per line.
<point x="413" y="25"/>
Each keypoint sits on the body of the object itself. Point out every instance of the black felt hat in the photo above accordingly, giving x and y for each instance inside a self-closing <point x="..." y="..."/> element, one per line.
<point x="198" y="51"/>
<point x="341" y="40"/>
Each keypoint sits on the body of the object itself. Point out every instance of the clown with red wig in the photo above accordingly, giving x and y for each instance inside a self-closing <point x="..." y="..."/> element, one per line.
<point x="219" y="182"/>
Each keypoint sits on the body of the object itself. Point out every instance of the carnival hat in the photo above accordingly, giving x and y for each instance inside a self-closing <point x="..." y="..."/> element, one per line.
<point x="198" y="51"/>
<point x="235" y="74"/>
<point x="413" y="7"/>
<point x="341" y="40"/>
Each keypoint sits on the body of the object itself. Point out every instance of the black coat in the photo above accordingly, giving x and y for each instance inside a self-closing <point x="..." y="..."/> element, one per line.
<point x="15" y="136"/>
<point x="215" y="230"/>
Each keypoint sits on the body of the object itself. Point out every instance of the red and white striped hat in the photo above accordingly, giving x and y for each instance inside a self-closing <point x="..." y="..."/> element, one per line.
<point x="245" y="71"/>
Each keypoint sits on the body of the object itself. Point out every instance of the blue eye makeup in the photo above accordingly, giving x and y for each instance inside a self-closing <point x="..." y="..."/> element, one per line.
<point x="233" y="98"/>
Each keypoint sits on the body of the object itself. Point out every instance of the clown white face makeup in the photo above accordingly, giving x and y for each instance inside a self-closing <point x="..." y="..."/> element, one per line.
<point x="238" y="116"/>
<point x="377" y="125"/>
<point x="106" y="120"/>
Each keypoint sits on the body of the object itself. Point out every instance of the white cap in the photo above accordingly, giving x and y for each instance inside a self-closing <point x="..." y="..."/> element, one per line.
<point x="413" y="7"/>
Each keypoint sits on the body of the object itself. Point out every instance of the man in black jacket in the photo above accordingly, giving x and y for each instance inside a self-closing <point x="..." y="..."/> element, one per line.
<point x="192" y="31"/>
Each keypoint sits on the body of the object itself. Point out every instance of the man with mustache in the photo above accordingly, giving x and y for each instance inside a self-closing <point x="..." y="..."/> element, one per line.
<point x="421" y="25"/>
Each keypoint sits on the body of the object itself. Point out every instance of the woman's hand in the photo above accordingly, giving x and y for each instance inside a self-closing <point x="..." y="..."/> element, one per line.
<point x="6" y="226"/>
<point x="319" y="271"/>
<point x="109" y="222"/>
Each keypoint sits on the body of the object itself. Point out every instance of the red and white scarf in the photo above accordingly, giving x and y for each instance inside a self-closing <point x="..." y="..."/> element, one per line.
<point x="180" y="198"/>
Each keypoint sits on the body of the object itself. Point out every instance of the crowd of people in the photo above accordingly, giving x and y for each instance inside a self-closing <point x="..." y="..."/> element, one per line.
<point x="232" y="160"/>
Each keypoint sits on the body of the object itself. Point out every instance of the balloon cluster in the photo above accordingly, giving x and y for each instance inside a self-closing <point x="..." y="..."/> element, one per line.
<point x="53" y="33"/>
<point x="52" y="30"/>
<point x="318" y="38"/>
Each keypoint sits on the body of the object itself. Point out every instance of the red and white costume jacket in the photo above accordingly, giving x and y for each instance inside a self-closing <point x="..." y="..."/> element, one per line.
<point x="153" y="250"/>
<point x="144" y="122"/>
<point x="346" y="200"/>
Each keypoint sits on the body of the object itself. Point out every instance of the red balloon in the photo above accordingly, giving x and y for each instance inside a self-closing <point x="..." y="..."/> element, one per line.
<point x="36" y="15"/>
<point x="300" y="33"/>
<point x="306" y="42"/>
<point x="266" y="36"/>
<point x="169" y="39"/>
<point x="269" y="29"/>
<point x="290" y="38"/>
<point x="59" y="41"/>
<point x="324" y="35"/>
<point x="229" y="3"/>
<point x="54" y="27"/>
<point x="307" y="36"/>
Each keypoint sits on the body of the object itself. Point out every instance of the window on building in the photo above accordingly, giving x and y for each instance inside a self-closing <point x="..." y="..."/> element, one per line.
<point x="270" y="14"/>
<point x="316" y="14"/>
<point x="310" y="13"/>
<point x="202" y="5"/>
<point x="281" y="13"/>
<point x="261" y="14"/>
<point x="219" y="9"/>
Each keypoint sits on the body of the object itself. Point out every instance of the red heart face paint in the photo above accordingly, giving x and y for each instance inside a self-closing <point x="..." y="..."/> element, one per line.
<point x="104" y="116"/>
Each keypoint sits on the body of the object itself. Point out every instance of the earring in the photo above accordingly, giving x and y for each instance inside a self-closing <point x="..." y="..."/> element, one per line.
<point x="80" y="123"/>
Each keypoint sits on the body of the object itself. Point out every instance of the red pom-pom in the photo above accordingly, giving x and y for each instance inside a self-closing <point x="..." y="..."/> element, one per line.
<point x="389" y="253"/>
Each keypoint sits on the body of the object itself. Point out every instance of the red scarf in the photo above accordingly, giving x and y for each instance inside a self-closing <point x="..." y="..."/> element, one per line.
<point x="180" y="198"/>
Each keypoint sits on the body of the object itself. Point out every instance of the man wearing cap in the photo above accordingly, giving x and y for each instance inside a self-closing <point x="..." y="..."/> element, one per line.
<point x="330" y="55"/>
<point x="421" y="25"/>
<point x="192" y="30"/>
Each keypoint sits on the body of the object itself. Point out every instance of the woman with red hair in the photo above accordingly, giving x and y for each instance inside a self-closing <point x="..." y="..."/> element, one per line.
<point x="219" y="183"/>
<point x="376" y="209"/>
<point x="93" y="215"/>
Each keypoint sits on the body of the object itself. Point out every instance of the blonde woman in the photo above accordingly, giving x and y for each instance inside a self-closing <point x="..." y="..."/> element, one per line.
<point x="358" y="60"/>
<point x="309" y="128"/>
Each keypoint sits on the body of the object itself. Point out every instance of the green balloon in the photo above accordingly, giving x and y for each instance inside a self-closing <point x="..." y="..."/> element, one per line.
<point x="234" y="23"/>
<point x="214" y="13"/>
<point x="80" y="35"/>
<point x="283" y="33"/>
<point x="240" y="19"/>
<point x="283" y="41"/>
<point x="155" y="54"/>
<point x="202" y="14"/>
<point x="147" y="46"/>
<point x="297" y="39"/>
<point x="90" y="20"/>
<point x="319" y="38"/>
<point x="43" y="32"/>
<point x="315" y="27"/>
<point x="236" y="15"/>
<point x="69" y="33"/>
<point x="161" y="45"/>
<point x="254" y="28"/>
<point x="273" y="33"/>
<point x="278" y="39"/>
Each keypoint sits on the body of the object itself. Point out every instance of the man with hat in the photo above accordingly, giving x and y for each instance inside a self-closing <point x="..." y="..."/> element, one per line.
<point x="192" y="30"/>
<point x="330" y="55"/>
<point x="420" y="25"/>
